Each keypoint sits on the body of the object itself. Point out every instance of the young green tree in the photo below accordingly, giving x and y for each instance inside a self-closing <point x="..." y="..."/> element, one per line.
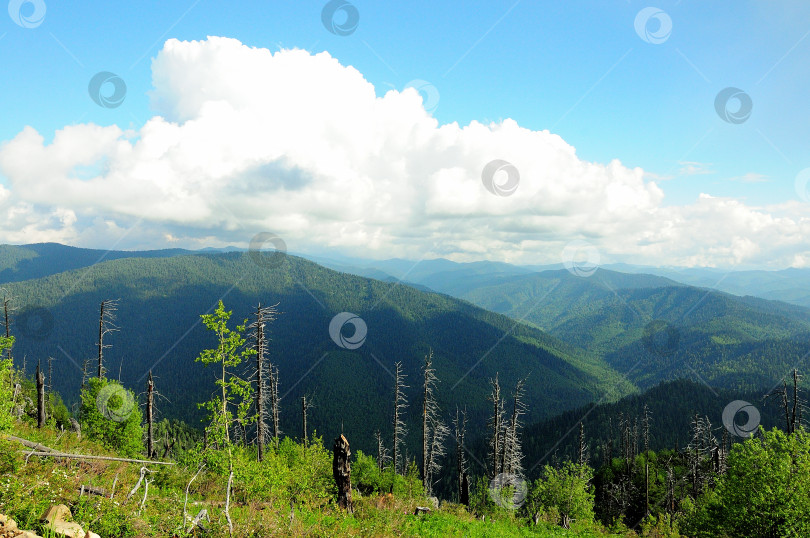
<point x="565" y="492"/>
<point x="110" y="415"/>
<point x="6" y="383"/>
<point x="763" y="493"/>
<point x="235" y="392"/>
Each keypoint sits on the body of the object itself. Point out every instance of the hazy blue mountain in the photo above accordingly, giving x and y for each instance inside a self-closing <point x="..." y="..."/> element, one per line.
<point x="789" y="285"/>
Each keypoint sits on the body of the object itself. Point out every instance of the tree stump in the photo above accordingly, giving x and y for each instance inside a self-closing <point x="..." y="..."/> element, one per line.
<point x="342" y="471"/>
<point x="464" y="496"/>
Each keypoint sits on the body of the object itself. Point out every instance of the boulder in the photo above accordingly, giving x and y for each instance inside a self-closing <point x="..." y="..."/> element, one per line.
<point x="7" y="524"/>
<point x="8" y="529"/>
<point x="68" y="529"/>
<point x="57" y="519"/>
<point x="59" y="512"/>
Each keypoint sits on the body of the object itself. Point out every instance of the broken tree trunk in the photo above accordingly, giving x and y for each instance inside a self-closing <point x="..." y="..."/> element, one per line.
<point x="342" y="471"/>
<point x="91" y="490"/>
<point x="464" y="496"/>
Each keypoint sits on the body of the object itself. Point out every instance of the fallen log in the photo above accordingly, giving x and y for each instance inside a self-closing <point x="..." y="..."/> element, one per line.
<point x="29" y="444"/>
<point x="91" y="457"/>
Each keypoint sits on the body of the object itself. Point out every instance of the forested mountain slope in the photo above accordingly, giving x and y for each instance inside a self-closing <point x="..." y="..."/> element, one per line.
<point x="161" y="300"/>
<point x="24" y="262"/>
<point x="654" y="329"/>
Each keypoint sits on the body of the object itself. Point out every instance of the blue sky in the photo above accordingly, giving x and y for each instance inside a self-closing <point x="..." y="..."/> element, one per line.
<point x="579" y="70"/>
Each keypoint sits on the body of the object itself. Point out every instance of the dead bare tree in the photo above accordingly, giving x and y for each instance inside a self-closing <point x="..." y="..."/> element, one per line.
<point x="306" y="405"/>
<point x="85" y="371"/>
<point x="7" y="309"/>
<point x="382" y="452"/>
<point x="793" y="410"/>
<point x="434" y="430"/>
<point x="185" y="503"/>
<point x="400" y="403"/>
<point x="582" y="447"/>
<point x="438" y="434"/>
<point x="106" y="325"/>
<point x="512" y="454"/>
<point x="264" y="369"/>
<point x="460" y="431"/>
<point x="646" y="427"/>
<point x="496" y="425"/>
<point x="150" y="394"/>
<point x="274" y="402"/>
<point x="40" y="397"/>
<point x="49" y="388"/>
<point x="701" y="450"/>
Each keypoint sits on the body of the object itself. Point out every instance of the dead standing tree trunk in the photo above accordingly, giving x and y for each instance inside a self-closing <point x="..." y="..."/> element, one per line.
<point x="400" y="403"/>
<point x="306" y="405"/>
<point x="40" y="397"/>
<point x="460" y="427"/>
<point x="496" y="423"/>
<point x="274" y="402"/>
<point x="264" y="315"/>
<point x="106" y="317"/>
<point x="342" y="471"/>
<point x="150" y="395"/>
<point x="433" y="430"/>
<point x="7" y="322"/>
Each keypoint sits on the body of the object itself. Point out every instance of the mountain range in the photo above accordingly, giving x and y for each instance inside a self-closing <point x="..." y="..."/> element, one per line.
<point x="577" y="339"/>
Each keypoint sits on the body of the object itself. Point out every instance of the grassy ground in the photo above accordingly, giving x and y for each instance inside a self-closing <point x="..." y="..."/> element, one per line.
<point x="27" y="489"/>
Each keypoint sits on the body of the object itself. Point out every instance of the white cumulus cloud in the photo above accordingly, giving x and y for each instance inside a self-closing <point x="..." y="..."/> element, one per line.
<point x="244" y="141"/>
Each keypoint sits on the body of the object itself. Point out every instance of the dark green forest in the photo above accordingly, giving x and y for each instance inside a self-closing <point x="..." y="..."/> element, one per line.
<point x="158" y="317"/>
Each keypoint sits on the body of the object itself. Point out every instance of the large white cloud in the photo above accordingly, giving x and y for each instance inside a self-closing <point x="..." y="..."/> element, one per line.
<point x="246" y="140"/>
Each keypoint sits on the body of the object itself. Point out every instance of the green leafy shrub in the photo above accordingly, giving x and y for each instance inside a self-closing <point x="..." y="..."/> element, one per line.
<point x="110" y="415"/>
<point x="103" y="516"/>
<point x="565" y="493"/>
<point x="763" y="493"/>
<point x="6" y="384"/>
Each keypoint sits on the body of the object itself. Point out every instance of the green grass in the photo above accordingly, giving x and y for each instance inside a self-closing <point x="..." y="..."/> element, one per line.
<point x="260" y="500"/>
